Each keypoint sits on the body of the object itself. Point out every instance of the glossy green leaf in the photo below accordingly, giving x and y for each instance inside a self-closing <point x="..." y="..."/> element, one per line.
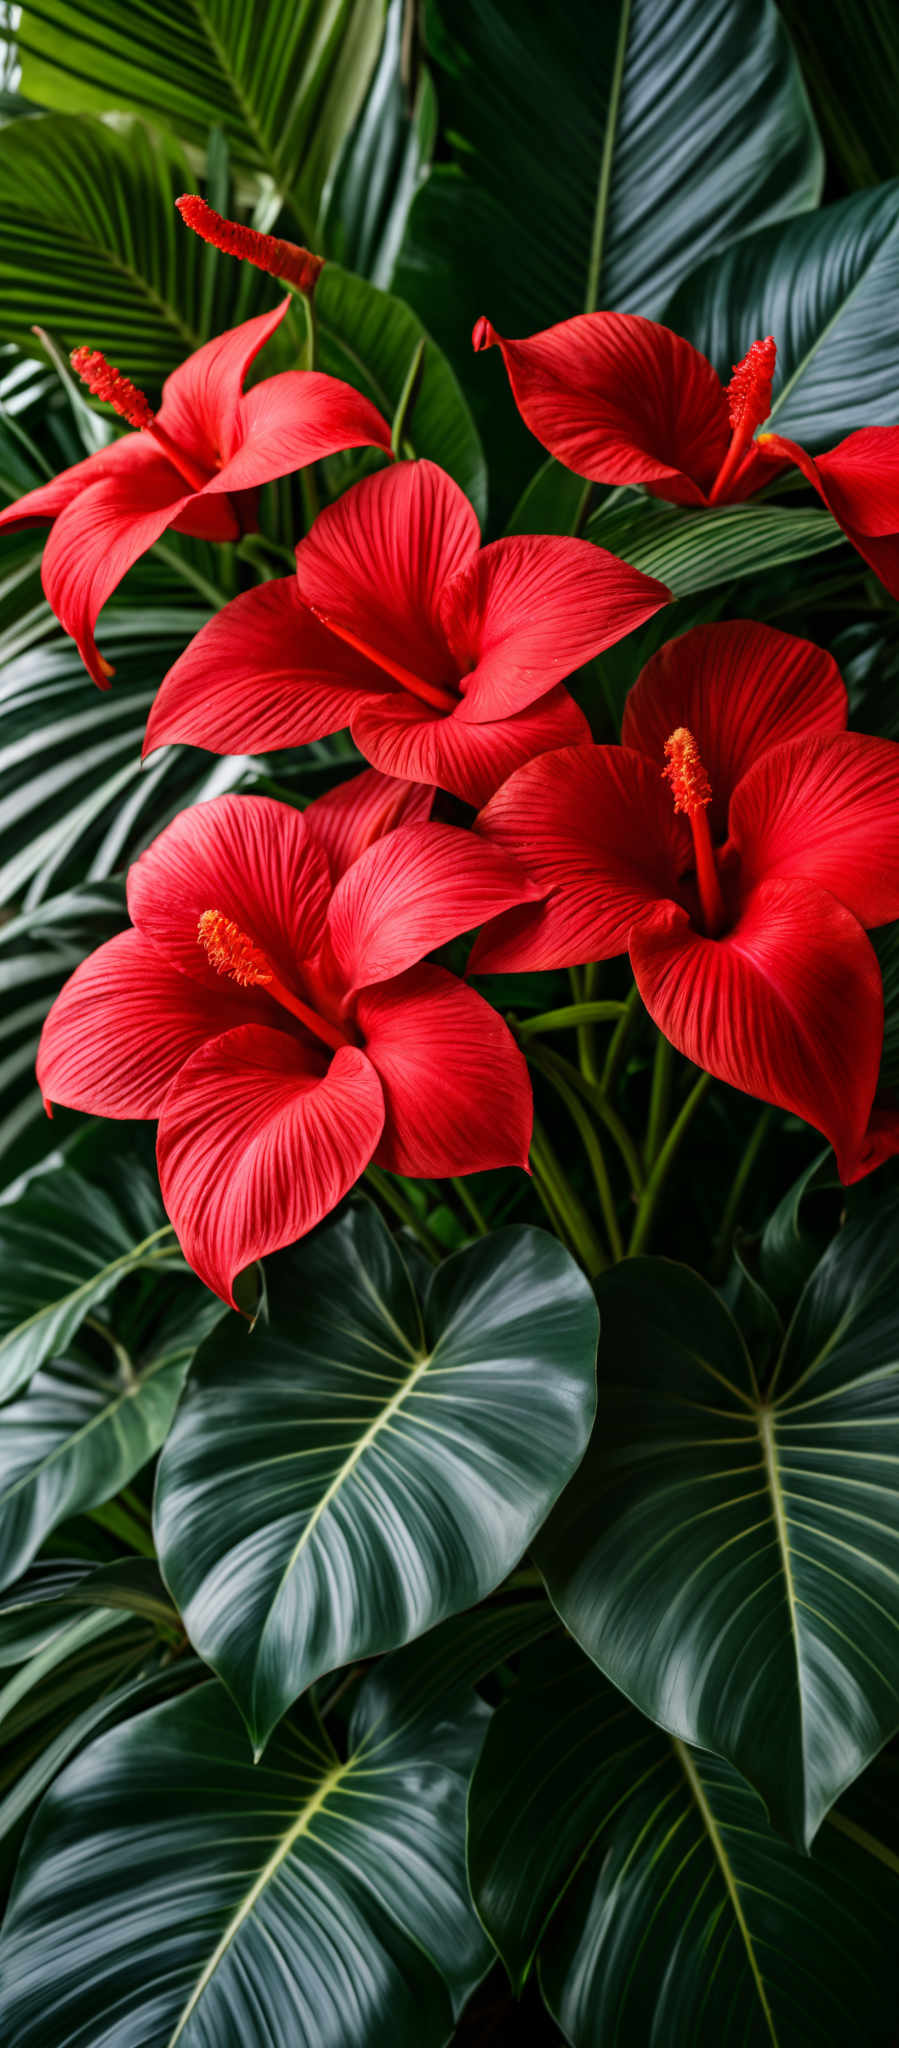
<point x="849" y="53"/>
<point x="728" y="1555"/>
<point x="64" y="1247"/>
<point x="318" y="1897"/>
<point x="382" y="161"/>
<point x="94" y="251"/>
<point x="662" y="1905"/>
<point x="695" y="550"/>
<point x="599" y="153"/>
<point x="282" y="84"/>
<point x="825" y="286"/>
<point x="78" y="1434"/>
<point x="37" y="953"/>
<point x="798" y="1230"/>
<point x="392" y="1462"/>
<point x="369" y="338"/>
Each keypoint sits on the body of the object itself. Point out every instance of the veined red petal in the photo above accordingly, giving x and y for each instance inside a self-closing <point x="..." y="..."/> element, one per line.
<point x="859" y="483"/>
<point x="262" y="674"/>
<point x="825" y="810"/>
<point x="456" y="1088"/>
<point x="123" y="1025"/>
<point x="739" y="688"/>
<point x="296" y="417"/>
<point x="411" y="892"/>
<point x="596" y="829"/>
<point x="200" y="400"/>
<point x="95" y="541"/>
<point x="376" y="563"/>
<point x="528" y="610"/>
<point x="247" y="857"/>
<point x="405" y="738"/>
<point x="351" y="817"/>
<point x="131" y="452"/>
<point x="622" y="400"/>
<point x="787" y="1006"/>
<point x="259" y="1138"/>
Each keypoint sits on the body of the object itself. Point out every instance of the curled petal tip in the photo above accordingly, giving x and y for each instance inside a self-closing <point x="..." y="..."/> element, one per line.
<point x="483" y="335"/>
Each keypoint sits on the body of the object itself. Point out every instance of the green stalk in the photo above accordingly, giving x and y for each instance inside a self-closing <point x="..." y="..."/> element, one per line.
<point x="578" y="1227"/>
<point x="738" y="1185"/>
<point x="574" y="1014"/>
<point x="665" y="1160"/>
<point x="620" y="1041"/>
<point x="586" y="1036"/>
<point x="383" y="1186"/>
<point x="556" y="1068"/>
<point x="660" y="1096"/>
<point x="590" y="1140"/>
<point x="468" y="1201"/>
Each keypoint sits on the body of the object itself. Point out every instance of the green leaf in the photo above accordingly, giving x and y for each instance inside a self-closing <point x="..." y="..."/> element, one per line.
<point x="79" y="1433"/>
<point x="728" y="1556"/>
<point x="798" y="1230"/>
<point x="282" y="85"/>
<point x="850" y="60"/>
<point x="695" y="550"/>
<point x="664" y="1906"/>
<point x="381" y="162"/>
<point x="370" y="338"/>
<point x="825" y="286"/>
<point x="94" y="251"/>
<point x="313" y="1897"/>
<point x="337" y="1482"/>
<point x="64" y="1247"/>
<point x="599" y="152"/>
<point x="37" y="953"/>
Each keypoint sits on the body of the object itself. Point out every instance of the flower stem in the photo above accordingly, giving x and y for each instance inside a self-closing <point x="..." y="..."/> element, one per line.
<point x="383" y="1186"/>
<point x="589" y="1137"/>
<point x="556" y="1068"/>
<point x="468" y="1202"/>
<point x="738" y="1185"/>
<point x="647" y="1205"/>
<point x="659" y="1098"/>
<point x="574" y="1014"/>
<point x="620" y="1040"/>
<point x="552" y="1182"/>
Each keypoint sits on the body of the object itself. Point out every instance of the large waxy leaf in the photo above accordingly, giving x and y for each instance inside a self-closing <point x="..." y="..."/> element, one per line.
<point x="665" y="1907"/>
<point x="392" y="1462"/>
<point x="282" y="84"/>
<point x="94" y="251"/>
<point x="315" y="1898"/>
<point x="37" y="953"/>
<point x="825" y="286"/>
<point x="849" y="53"/>
<point x="382" y="161"/>
<point x="729" y="1556"/>
<point x="600" y="152"/>
<point x="695" y="550"/>
<point x="64" y="1247"/>
<point x="79" y="1433"/>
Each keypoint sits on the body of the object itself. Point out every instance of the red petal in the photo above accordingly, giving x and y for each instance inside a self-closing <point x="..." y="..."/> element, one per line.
<point x="129" y="453"/>
<point x="596" y="828"/>
<point x="788" y="1006"/>
<point x="624" y="401"/>
<point x="258" y="1140"/>
<point x="825" y="810"/>
<point x="412" y="891"/>
<point x="880" y="1142"/>
<point x="529" y="610"/>
<point x="201" y="399"/>
<point x="738" y="688"/>
<point x="456" y="1088"/>
<point x="859" y="482"/>
<point x="247" y="856"/>
<point x="95" y="541"/>
<point x="123" y="1025"/>
<point x="351" y="817"/>
<point x="471" y="761"/>
<point x="293" y="419"/>
<point x="377" y="561"/>
<point x="263" y="673"/>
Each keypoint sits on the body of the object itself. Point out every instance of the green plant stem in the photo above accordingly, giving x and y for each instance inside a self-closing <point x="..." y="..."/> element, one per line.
<point x="120" y="1523"/>
<point x="586" y="1036"/>
<point x="589" y="1137"/>
<point x="214" y="597"/>
<point x="620" y="1041"/>
<point x="664" y="1161"/>
<point x="468" y="1202"/>
<point x="574" y="1014"/>
<point x="383" y="1186"/>
<point x="660" y="1095"/>
<point x="558" y="1069"/>
<point x="407" y="397"/>
<point x="738" y="1184"/>
<point x="568" y="1207"/>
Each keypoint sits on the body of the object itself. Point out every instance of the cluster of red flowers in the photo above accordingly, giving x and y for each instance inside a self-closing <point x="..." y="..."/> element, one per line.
<point x="272" y="1004"/>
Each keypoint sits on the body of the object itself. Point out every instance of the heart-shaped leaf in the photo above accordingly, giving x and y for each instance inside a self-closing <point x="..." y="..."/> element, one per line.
<point x="662" y="1904"/>
<point x="728" y="1556"/>
<point x="339" y="1480"/>
<point x="825" y="286"/>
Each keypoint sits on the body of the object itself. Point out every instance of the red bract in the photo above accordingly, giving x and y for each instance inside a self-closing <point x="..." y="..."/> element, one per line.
<point x="621" y="400"/>
<point x="443" y="658"/>
<point x="269" y="1007"/>
<point x="736" y="845"/>
<point x="195" y="466"/>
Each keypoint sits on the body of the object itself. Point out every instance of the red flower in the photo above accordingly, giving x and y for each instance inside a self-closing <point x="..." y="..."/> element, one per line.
<point x="735" y="845"/>
<point x="195" y="466"/>
<point x="443" y="658"/>
<point x="622" y="400"/>
<point x="268" y="1007"/>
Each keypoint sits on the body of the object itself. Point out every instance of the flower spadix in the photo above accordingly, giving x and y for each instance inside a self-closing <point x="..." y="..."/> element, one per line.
<point x="270" y="1007"/>
<point x="736" y="845"/>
